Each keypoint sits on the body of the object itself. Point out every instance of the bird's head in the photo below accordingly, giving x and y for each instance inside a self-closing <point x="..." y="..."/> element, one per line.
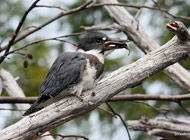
<point x="100" y="41"/>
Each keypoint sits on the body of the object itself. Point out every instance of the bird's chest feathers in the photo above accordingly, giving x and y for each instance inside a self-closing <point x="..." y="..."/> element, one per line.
<point x="92" y="72"/>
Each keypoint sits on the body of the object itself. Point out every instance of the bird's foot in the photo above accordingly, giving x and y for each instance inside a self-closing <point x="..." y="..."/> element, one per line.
<point x="79" y="96"/>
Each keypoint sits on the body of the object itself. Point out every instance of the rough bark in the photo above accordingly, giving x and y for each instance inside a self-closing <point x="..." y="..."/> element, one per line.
<point x="121" y="79"/>
<point x="138" y="35"/>
<point x="13" y="89"/>
<point x="10" y="85"/>
<point x="168" y="129"/>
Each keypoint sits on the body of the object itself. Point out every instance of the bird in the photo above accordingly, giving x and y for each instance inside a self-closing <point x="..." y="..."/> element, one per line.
<point x="75" y="72"/>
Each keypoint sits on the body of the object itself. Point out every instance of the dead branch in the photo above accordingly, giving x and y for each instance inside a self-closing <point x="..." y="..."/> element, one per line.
<point x="13" y="89"/>
<point x="58" y="38"/>
<point x="184" y="108"/>
<point x="108" y="27"/>
<point x="161" y="10"/>
<point x="61" y="14"/>
<point x="114" y="3"/>
<point x="10" y="85"/>
<point x="171" y="98"/>
<point x="83" y="7"/>
<point x="168" y="129"/>
<point x="48" y="6"/>
<point x="116" y="98"/>
<point x="125" y="77"/>
<point x="159" y="110"/>
<point x="139" y="36"/>
<point x="11" y="42"/>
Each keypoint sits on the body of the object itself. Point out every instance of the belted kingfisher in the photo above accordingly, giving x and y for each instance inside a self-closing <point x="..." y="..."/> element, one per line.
<point x="75" y="72"/>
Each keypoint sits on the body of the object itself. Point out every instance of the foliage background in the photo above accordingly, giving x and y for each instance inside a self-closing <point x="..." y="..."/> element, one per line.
<point x="97" y="124"/>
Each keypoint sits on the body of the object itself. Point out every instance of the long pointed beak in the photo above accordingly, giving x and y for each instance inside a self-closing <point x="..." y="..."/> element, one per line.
<point x="116" y="44"/>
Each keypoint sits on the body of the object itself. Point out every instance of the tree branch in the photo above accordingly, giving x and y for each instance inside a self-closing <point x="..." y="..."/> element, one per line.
<point x="87" y="6"/>
<point x="168" y="129"/>
<point x="10" y="85"/>
<point x="47" y="6"/>
<point x="110" y="27"/>
<point x="11" y="42"/>
<point x="119" y="80"/>
<point x="116" y="98"/>
<point x="123" y="122"/>
<point x="58" y="38"/>
<point x="115" y="3"/>
<point x="137" y="34"/>
<point x="61" y="14"/>
<point x="142" y="97"/>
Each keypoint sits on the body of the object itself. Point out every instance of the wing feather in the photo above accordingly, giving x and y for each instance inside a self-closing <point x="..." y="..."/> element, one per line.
<point x="65" y="71"/>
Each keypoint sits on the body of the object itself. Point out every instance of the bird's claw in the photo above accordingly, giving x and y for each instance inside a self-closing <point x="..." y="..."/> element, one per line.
<point x="78" y="96"/>
<point x="172" y="26"/>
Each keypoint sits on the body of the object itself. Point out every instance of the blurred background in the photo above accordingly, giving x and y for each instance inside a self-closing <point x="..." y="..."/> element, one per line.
<point x="96" y="125"/>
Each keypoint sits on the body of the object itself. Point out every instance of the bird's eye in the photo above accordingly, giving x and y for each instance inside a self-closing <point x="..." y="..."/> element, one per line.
<point x="98" y="40"/>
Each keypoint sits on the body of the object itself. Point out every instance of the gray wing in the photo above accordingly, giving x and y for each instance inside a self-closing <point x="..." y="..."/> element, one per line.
<point x="65" y="71"/>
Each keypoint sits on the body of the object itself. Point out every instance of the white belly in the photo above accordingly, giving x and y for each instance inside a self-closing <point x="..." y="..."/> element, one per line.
<point x="89" y="81"/>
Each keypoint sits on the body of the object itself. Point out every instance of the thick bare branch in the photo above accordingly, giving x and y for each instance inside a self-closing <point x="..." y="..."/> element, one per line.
<point x="125" y="77"/>
<point x="139" y="36"/>
<point x="110" y="27"/>
<point x="117" y="98"/>
<point x="12" y="88"/>
<point x="10" y="85"/>
<point x="169" y="129"/>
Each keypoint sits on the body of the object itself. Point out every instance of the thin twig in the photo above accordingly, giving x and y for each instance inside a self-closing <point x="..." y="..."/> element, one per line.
<point x="61" y="14"/>
<point x="4" y="38"/>
<point x="109" y="112"/>
<point x="11" y="42"/>
<point x="164" y="15"/>
<point x="123" y="122"/>
<point x="21" y="30"/>
<point x="48" y="39"/>
<point x="183" y="107"/>
<point x="62" y="40"/>
<point x="138" y="13"/>
<point x="48" y="6"/>
<point x="138" y="7"/>
<point x="159" y="110"/>
<point x="82" y="7"/>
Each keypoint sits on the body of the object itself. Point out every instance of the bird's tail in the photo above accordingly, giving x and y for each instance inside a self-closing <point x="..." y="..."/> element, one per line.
<point x="35" y="107"/>
<point x="32" y="109"/>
